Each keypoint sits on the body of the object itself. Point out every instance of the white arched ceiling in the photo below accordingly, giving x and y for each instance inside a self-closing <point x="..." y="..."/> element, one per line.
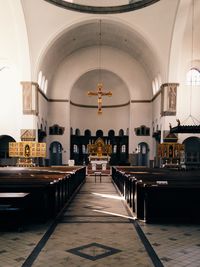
<point x="85" y="34"/>
<point x="113" y="60"/>
<point x="186" y="24"/>
<point x="182" y="16"/>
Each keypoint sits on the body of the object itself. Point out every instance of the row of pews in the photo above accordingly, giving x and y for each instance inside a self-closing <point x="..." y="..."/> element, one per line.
<point x="160" y="195"/>
<point x="36" y="194"/>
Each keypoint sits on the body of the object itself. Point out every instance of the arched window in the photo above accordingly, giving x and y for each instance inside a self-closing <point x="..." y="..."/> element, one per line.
<point x="193" y="77"/>
<point x="99" y="133"/>
<point x="121" y="132"/>
<point x="42" y="83"/>
<point x="87" y="133"/>
<point x="114" y="149"/>
<point x="123" y="149"/>
<point x="75" y="149"/>
<point x="154" y="87"/>
<point x="40" y="79"/>
<point x="156" y="83"/>
<point x="45" y="86"/>
<point x="111" y="133"/>
<point x="84" y="149"/>
<point x="77" y="132"/>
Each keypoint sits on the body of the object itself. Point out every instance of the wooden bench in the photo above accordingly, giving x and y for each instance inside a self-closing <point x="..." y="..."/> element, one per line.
<point x="49" y="188"/>
<point x="13" y="207"/>
<point x="160" y="195"/>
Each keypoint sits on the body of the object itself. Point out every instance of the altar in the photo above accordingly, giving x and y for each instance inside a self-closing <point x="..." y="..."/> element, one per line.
<point x="99" y="163"/>
<point x="99" y="155"/>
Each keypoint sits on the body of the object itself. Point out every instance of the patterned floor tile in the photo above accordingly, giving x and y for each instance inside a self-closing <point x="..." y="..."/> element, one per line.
<point x="99" y="220"/>
<point x="94" y="251"/>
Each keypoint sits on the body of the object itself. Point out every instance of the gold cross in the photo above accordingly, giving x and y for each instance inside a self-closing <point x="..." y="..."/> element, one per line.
<point x="99" y="93"/>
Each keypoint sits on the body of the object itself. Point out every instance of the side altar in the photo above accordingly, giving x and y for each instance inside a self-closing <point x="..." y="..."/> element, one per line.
<point x="99" y="155"/>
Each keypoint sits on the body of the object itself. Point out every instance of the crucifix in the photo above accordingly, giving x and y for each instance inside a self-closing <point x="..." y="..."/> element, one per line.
<point x="99" y="93"/>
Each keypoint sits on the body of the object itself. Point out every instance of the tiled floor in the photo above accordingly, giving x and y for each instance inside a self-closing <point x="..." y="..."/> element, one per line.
<point x="96" y="230"/>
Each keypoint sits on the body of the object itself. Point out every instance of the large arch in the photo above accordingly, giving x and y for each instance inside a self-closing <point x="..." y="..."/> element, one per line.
<point x="113" y="60"/>
<point x="84" y="34"/>
<point x="83" y="108"/>
<point x="4" y="150"/>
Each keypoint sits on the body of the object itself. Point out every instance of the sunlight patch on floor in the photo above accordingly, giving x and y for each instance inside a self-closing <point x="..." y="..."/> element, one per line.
<point x="108" y="196"/>
<point x="115" y="214"/>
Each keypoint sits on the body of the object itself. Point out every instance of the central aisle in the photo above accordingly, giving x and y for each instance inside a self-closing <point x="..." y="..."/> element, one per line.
<point x="95" y="230"/>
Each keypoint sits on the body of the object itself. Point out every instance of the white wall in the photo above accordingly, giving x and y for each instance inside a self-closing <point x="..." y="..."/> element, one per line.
<point x="111" y="118"/>
<point x="141" y="114"/>
<point x="59" y="113"/>
<point x="14" y="54"/>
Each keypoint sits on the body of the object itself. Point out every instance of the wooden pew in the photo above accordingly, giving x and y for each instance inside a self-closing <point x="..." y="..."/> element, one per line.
<point x="49" y="189"/>
<point x="13" y="208"/>
<point x="160" y="195"/>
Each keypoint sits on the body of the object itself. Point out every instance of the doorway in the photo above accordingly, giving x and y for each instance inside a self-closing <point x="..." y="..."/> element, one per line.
<point x="143" y="150"/>
<point x="56" y="153"/>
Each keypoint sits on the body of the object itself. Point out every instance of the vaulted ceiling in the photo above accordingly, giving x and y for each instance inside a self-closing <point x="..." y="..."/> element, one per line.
<point x="113" y="34"/>
<point x="74" y="32"/>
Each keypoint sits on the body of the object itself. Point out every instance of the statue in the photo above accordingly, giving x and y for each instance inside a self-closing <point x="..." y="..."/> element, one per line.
<point x="178" y="121"/>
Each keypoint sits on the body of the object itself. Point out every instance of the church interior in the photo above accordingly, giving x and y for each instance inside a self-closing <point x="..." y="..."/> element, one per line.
<point x="78" y="187"/>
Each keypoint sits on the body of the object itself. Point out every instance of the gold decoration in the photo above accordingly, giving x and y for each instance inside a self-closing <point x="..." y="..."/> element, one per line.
<point x="99" y="93"/>
<point x="99" y="148"/>
<point x="27" y="149"/>
<point x="170" y="150"/>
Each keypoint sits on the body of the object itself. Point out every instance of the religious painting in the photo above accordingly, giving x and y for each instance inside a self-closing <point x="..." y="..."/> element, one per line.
<point x="168" y="99"/>
<point x="30" y="98"/>
<point x="27" y="149"/>
<point x="172" y="98"/>
<point x="170" y="150"/>
<point x="99" y="148"/>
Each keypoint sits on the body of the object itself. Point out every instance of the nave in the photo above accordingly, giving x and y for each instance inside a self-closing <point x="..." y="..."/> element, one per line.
<point x="97" y="229"/>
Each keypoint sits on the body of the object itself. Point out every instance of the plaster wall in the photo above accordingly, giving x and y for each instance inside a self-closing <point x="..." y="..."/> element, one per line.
<point x="111" y="118"/>
<point x="141" y="114"/>
<point x="14" y="59"/>
<point x="59" y="113"/>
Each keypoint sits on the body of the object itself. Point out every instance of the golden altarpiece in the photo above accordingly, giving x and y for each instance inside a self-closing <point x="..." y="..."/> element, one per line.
<point x="27" y="150"/>
<point x="99" y="154"/>
<point x="171" y="154"/>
